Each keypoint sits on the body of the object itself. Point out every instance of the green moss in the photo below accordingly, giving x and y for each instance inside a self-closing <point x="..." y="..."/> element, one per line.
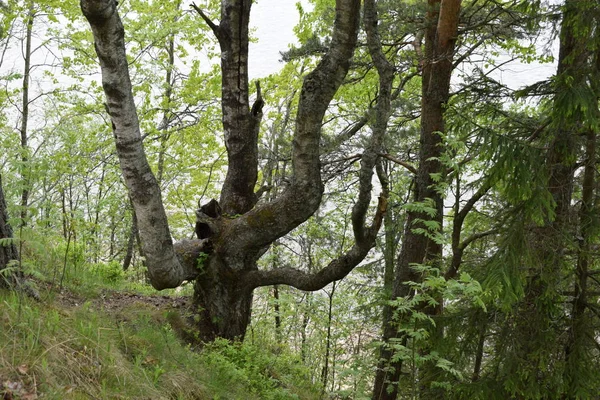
<point x="261" y="217"/>
<point x="201" y="262"/>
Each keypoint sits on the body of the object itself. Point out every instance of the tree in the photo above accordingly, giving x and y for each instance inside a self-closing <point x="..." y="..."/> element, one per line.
<point x="421" y="243"/>
<point x="8" y="249"/>
<point x="240" y="229"/>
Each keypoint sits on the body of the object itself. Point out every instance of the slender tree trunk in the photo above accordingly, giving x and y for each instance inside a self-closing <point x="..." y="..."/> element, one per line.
<point x="130" y="242"/>
<point x="440" y="37"/>
<point x="164" y="125"/>
<point x="325" y="372"/>
<point x="479" y="353"/>
<point x="576" y="353"/>
<point x="385" y="352"/>
<point x="305" y="321"/>
<point x="277" y="314"/>
<point x="65" y="222"/>
<point x="25" y="168"/>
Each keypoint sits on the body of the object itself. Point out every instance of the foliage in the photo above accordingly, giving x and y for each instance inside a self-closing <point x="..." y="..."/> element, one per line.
<point x="487" y="332"/>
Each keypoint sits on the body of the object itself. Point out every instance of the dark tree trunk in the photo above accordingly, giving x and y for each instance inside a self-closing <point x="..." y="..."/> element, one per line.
<point x="8" y="249"/>
<point x="130" y="242"/>
<point x="25" y="168"/>
<point x="277" y="310"/>
<point x="580" y="334"/>
<point x="325" y="371"/>
<point x="223" y="301"/>
<point x="535" y="313"/>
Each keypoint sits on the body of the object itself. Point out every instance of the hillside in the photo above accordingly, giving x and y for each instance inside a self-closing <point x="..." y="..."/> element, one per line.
<point x="118" y="344"/>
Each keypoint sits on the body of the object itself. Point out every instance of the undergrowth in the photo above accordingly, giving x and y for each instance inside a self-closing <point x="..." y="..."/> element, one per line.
<point x="55" y="352"/>
<point x="71" y="345"/>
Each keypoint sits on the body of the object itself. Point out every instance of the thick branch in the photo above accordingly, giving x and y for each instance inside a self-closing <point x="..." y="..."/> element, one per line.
<point x="263" y="224"/>
<point x="165" y="271"/>
<point x="240" y="125"/>
<point x="385" y="70"/>
<point x="335" y="270"/>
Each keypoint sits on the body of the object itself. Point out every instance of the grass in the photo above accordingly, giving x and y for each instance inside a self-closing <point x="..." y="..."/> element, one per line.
<point x="54" y="350"/>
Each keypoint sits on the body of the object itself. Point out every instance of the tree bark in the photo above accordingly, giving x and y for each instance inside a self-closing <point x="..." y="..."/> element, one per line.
<point x="240" y="123"/>
<point x="130" y="242"/>
<point x="549" y="241"/>
<point x="25" y="168"/>
<point x="8" y="249"/>
<point x="440" y="37"/>
<point x="164" y="268"/>
<point x="580" y="331"/>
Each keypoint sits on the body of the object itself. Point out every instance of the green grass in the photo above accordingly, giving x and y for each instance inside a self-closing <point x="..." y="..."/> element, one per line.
<point x="68" y="347"/>
<point x="84" y="353"/>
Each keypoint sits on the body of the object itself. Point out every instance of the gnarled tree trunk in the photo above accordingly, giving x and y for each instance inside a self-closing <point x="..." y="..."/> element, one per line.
<point x="242" y="231"/>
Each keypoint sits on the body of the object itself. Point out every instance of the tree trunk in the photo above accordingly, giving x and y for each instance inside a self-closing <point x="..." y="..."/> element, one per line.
<point x="535" y="314"/>
<point x="277" y="310"/>
<point x="223" y="302"/>
<point x="440" y="37"/>
<point x="325" y="371"/>
<point x="130" y="242"/>
<point x="580" y="331"/>
<point x="167" y="98"/>
<point x="25" y="168"/>
<point x="8" y="249"/>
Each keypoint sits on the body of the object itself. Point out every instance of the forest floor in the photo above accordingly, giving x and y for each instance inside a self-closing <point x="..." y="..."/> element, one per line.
<point x="118" y="344"/>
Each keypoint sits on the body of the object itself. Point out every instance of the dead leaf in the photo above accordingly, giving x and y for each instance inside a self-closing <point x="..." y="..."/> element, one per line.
<point x="69" y="388"/>
<point x="150" y="361"/>
<point x="29" y="396"/>
<point x="23" y="369"/>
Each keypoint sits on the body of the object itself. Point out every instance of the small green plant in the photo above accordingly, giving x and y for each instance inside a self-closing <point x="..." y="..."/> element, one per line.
<point x="67" y="353"/>
<point x="111" y="272"/>
<point x="201" y="262"/>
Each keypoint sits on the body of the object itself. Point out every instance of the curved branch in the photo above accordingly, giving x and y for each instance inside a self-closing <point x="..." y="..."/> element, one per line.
<point x="385" y="70"/>
<point x="265" y="223"/>
<point x="364" y="235"/>
<point x="164" y="268"/>
<point x="214" y="27"/>
<point x="411" y="168"/>
<point x="334" y="271"/>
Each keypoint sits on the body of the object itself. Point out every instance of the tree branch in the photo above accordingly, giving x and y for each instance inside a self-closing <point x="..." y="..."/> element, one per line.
<point x="265" y="223"/>
<point x="214" y="27"/>
<point x="364" y="235"/>
<point x="406" y="165"/>
<point x="164" y="268"/>
<point x="335" y="270"/>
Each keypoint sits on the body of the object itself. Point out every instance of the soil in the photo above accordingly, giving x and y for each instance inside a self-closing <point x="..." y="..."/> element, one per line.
<point x="115" y="301"/>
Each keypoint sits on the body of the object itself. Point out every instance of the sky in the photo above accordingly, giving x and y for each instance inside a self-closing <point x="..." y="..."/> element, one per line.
<point x="273" y="21"/>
